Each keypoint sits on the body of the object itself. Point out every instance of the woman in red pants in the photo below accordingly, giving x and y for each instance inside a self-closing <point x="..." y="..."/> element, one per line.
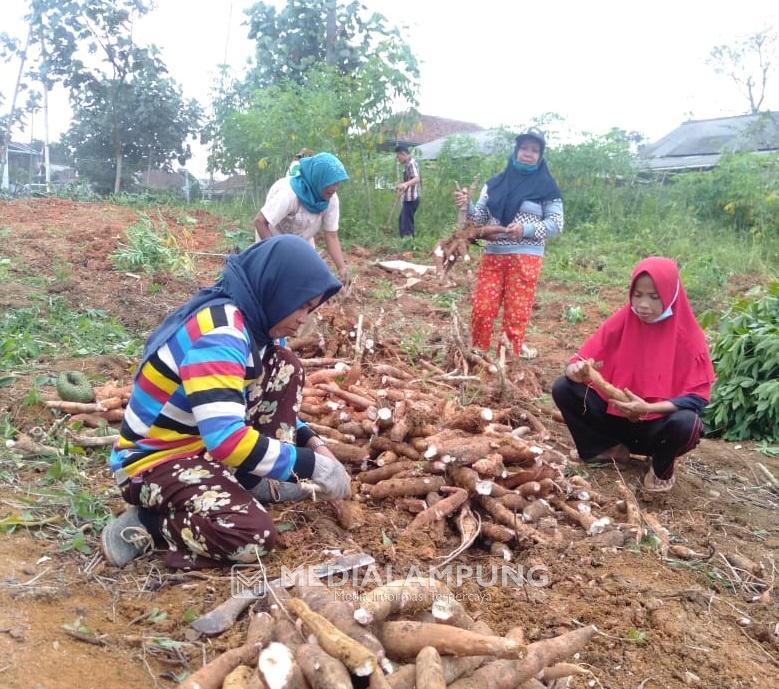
<point x="517" y="211"/>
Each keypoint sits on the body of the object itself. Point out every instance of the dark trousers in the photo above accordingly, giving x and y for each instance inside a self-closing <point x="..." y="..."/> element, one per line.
<point x="406" y="219"/>
<point x="594" y="431"/>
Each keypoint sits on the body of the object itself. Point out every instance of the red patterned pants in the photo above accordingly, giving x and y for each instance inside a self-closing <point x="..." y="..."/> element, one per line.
<point x="511" y="280"/>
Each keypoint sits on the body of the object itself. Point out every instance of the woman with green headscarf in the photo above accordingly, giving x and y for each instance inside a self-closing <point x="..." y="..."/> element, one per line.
<point x="307" y="204"/>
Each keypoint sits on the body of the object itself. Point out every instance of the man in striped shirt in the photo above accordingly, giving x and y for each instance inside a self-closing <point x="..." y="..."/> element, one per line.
<point x="409" y="189"/>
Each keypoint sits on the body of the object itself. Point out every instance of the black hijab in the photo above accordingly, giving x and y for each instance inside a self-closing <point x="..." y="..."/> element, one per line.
<point x="508" y="189"/>
<point x="267" y="282"/>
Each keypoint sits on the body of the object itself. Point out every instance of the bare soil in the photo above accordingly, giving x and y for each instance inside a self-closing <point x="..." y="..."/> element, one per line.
<point x="664" y="623"/>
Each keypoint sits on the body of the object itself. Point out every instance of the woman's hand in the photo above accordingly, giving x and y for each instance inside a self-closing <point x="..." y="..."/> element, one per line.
<point x="515" y="230"/>
<point x="635" y="408"/>
<point x="575" y="371"/>
<point x="315" y="443"/>
<point x="461" y="198"/>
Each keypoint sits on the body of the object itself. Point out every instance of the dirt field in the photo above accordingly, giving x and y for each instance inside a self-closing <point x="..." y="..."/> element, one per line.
<point x="664" y="623"/>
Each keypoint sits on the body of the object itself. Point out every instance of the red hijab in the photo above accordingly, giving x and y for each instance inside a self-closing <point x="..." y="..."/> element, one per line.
<point x="660" y="360"/>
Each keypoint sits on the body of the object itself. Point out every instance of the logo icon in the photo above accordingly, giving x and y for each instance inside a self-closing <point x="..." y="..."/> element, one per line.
<point x="246" y="581"/>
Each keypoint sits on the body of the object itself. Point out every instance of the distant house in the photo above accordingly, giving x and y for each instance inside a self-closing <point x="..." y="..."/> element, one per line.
<point x="485" y="142"/>
<point x="413" y="130"/>
<point x="699" y="144"/>
<point x="235" y="186"/>
<point x="158" y="180"/>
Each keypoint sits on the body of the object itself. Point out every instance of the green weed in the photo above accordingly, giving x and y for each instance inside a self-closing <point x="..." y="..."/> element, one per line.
<point x="51" y="328"/>
<point x="149" y="249"/>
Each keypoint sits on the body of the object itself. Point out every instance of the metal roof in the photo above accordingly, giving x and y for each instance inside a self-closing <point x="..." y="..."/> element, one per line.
<point x="487" y="142"/>
<point x="701" y="143"/>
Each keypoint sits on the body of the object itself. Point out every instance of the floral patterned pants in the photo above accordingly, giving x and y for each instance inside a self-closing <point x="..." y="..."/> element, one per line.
<point x="508" y="279"/>
<point x="197" y="507"/>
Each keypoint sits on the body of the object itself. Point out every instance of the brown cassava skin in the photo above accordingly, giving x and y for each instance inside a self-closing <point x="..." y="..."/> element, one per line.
<point x="405" y="677"/>
<point x="441" y="510"/>
<point x="239" y="678"/>
<point x="404" y="639"/>
<point x="591" y="375"/>
<point x="560" y="670"/>
<point x="212" y="674"/>
<point x="320" y="669"/>
<point x="357" y="658"/>
<point x="450" y="611"/>
<point x="389" y="370"/>
<point x="353" y="428"/>
<point x="400" y="427"/>
<point x="507" y="674"/>
<point x="467" y="478"/>
<point x="331" y="433"/>
<point x="353" y="399"/>
<point x="351" y="454"/>
<point x="471" y="419"/>
<point x="413" y="505"/>
<point x="583" y="519"/>
<point x="340" y="613"/>
<point x="347" y="514"/>
<point x="497" y="532"/>
<point x="513" y="501"/>
<point x="405" y="487"/>
<point x="539" y="473"/>
<point x="260" y="630"/>
<point x="429" y="671"/>
<point x="387" y="471"/>
<point x="381" y="444"/>
<point x="378" y="680"/>
<point x="491" y="466"/>
<point x="506" y="517"/>
<point x="402" y="595"/>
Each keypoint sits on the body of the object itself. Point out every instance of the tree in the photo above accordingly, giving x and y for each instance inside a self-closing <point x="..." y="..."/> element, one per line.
<point x="748" y="62"/>
<point x="89" y="46"/>
<point x="305" y="33"/>
<point x="151" y="120"/>
<point x="352" y="64"/>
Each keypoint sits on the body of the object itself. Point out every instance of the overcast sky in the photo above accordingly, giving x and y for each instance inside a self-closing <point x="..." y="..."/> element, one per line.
<point x="598" y="63"/>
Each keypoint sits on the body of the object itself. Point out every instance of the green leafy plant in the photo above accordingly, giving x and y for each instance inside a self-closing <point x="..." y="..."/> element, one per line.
<point x="149" y="249"/>
<point x="745" y="398"/>
<point x="636" y="636"/>
<point x="574" y="314"/>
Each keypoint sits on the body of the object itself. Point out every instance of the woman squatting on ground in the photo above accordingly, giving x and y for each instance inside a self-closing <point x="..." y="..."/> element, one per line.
<point x="212" y="418"/>
<point x="654" y="350"/>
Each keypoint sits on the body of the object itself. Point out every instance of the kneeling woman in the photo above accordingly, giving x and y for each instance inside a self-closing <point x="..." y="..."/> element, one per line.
<point x="654" y="350"/>
<point x="213" y="415"/>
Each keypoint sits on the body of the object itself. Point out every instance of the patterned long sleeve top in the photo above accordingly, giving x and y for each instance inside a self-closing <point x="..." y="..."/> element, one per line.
<point x="191" y="397"/>
<point x="540" y="221"/>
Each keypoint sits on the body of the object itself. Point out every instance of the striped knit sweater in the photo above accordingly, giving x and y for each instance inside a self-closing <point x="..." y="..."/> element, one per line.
<point x="540" y="220"/>
<point x="190" y="397"/>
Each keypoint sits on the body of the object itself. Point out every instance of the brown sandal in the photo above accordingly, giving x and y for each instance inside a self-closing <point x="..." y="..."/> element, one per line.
<point x="658" y="485"/>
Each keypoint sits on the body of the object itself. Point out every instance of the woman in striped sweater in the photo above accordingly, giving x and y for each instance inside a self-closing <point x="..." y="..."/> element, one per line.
<point x="517" y="211"/>
<point x="213" y="415"/>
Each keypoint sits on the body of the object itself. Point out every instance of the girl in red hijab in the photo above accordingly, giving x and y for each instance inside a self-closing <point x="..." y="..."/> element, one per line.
<point x="654" y="350"/>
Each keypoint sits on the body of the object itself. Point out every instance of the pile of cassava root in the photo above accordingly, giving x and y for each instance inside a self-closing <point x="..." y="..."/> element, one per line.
<point x="406" y="634"/>
<point x="491" y="470"/>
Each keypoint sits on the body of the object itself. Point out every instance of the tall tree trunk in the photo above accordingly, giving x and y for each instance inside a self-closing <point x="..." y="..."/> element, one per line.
<point x="7" y="136"/>
<point x="330" y="57"/>
<point x="118" y="161"/>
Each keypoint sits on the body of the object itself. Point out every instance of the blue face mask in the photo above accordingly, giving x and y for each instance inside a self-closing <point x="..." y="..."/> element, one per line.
<point x="524" y="168"/>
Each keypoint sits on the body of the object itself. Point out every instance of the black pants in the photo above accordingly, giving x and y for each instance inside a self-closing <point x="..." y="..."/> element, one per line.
<point x="406" y="219"/>
<point x="594" y="431"/>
